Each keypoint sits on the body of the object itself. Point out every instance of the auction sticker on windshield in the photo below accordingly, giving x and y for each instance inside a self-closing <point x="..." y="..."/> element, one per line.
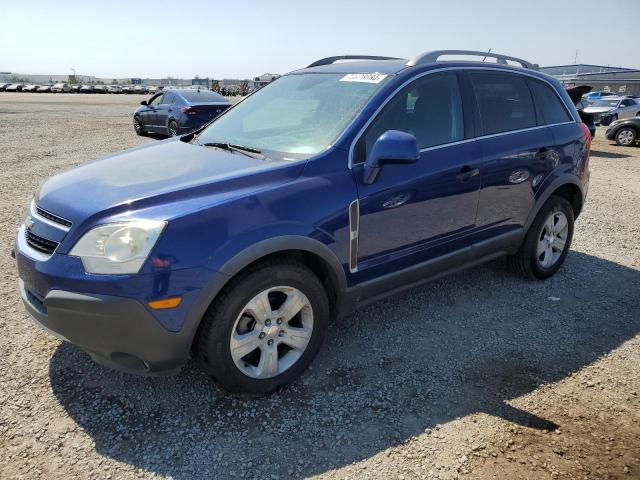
<point x="364" y="77"/>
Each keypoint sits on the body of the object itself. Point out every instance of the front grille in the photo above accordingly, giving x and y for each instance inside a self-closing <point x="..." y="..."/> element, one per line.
<point x="40" y="244"/>
<point x="53" y="218"/>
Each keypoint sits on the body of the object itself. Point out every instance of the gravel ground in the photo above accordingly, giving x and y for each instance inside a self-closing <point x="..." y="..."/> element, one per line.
<point x="479" y="375"/>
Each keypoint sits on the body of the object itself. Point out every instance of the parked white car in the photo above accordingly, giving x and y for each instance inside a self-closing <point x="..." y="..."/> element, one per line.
<point x="610" y="109"/>
<point x="61" y="88"/>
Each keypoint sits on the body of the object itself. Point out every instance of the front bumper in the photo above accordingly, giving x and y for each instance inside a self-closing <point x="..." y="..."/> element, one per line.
<point x="117" y="332"/>
<point x="107" y="315"/>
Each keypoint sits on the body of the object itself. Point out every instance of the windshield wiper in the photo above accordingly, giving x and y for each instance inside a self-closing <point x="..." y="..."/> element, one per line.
<point x="231" y="147"/>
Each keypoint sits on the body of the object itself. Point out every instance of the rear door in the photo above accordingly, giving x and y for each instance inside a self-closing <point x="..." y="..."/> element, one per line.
<point x="515" y="149"/>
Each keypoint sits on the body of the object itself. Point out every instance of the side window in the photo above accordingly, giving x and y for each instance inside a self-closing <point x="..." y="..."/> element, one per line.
<point x="549" y="107"/>
<point x="429" y="108"/>
<point x="504" y="102"/>
<point x="168" y="98"/>
<point x="156" y="100"/>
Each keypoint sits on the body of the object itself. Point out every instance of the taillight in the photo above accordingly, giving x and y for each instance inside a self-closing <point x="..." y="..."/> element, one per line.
<point x="191" y="110"/>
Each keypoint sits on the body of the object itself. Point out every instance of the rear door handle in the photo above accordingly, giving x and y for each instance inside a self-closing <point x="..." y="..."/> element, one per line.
<point x="467" y="173"/>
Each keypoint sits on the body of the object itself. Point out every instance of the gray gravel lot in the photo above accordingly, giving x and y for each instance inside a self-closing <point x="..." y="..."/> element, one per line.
<point x="479" y="375"/>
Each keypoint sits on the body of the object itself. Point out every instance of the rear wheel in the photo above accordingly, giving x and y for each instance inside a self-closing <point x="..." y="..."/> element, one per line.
<point x="264" y="329"/>
<point x="138" y="127"/>
<point x="173" y="128"/>
<point x="626" y="137"/>
<point x="547" y="242"/>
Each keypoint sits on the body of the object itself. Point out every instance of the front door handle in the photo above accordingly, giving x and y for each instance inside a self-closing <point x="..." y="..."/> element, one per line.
<point x="467" y="173"/>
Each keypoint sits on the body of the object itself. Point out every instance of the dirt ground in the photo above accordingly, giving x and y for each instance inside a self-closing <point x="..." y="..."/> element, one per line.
<point x="479" y="375"/>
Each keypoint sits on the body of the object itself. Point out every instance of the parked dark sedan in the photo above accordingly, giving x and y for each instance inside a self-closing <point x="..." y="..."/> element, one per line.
<point x="174" y="112"/>
<point x="626" y="133"/>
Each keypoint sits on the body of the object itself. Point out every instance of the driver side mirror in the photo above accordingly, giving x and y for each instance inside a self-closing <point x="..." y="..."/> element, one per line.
<point x="143" y="102"/>
<point x="393" y="146"/>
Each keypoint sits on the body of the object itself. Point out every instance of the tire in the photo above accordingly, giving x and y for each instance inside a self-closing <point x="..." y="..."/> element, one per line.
<point x="138" y="126"/>
<point x="172" y="128"/>
<point x="230" y="319"/>
<point x="528" y="261"/>
<point x="626" y="137"/>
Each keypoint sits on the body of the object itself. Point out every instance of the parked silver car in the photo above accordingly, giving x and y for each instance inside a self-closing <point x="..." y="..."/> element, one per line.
<point x="61" y="88"/>
<point x="610" y="109"/>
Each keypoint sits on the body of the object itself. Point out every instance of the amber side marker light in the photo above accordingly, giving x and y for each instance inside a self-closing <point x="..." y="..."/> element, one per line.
<point x="165" y="303"/>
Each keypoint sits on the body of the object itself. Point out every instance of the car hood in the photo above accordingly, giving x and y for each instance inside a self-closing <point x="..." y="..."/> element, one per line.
<point x="146" y="176"/>
<point x="598" y="109"/>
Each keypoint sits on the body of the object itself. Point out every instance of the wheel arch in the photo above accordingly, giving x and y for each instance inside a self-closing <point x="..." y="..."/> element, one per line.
<point x="631" y="125"/>
<point x="314" y="254"/>
<point x="567" y="187"/>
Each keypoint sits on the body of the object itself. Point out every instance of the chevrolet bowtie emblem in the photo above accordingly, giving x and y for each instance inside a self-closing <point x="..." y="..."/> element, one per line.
<point x="28" y="222"/>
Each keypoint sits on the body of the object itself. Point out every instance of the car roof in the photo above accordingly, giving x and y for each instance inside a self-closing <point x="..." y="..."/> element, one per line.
<point x="391" y="65"/>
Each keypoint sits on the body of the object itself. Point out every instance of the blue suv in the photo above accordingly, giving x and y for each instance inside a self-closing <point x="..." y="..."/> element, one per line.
<point x="334" y="186"/>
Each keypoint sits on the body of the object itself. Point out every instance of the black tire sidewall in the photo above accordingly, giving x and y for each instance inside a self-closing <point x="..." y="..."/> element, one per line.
<point x="137" y="119"/>
<point x="554" y="204"/>
<point x="169" y="128"/>
<point x="216" y="345"/>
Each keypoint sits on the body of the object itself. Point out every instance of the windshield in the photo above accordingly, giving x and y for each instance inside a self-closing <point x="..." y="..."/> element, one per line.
<point x="605" y="103"/>
<point x="295" y="116"/>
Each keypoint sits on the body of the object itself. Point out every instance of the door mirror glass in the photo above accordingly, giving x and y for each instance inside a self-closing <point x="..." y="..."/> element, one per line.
<point x="143" y="102"/>
<point x="393" y="146"/>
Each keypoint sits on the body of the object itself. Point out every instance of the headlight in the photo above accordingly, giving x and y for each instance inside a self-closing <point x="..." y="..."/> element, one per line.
<point x="118" y="248"/>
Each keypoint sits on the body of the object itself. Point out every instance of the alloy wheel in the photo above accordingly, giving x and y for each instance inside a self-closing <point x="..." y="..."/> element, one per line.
<point x="173" y="129"/>
<point x="552" y="239"/>
<point x="271" y="332"/>
<point x="625" y="137"/>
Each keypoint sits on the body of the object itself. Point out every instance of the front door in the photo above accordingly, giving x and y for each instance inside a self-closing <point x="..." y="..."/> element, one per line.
<point x="426" y="209"/>
<point x="150" y="117"/>
<point x="165" y="110"/>
<point x="628" y="108"/>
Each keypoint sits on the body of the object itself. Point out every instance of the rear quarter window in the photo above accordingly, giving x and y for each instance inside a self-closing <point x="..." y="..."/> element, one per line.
<point x="549" y="107"/>
<point x="504" y="102"/>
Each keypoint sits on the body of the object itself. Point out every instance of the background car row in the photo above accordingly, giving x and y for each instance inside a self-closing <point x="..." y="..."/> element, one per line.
<point x="80" y="88"/>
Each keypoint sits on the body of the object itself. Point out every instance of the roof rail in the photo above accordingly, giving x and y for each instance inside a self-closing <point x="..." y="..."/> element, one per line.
<point x="330" y="60"/>
<point x="431" y="57"/>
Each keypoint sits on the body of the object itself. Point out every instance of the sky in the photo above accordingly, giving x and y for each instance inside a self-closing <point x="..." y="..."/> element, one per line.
<point x="243" y="39"/>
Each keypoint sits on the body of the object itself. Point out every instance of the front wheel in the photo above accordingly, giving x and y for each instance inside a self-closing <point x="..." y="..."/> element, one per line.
<point x="626" y="137"/>
<point x="264" y="329"/>
<point x="138" y="127"/>
<point x="547" y="242"/>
